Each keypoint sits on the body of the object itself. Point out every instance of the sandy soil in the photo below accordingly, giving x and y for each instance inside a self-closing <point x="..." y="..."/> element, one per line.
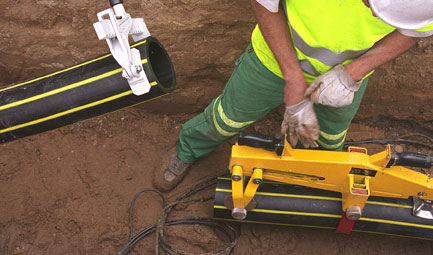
<point x="68" y="191"/>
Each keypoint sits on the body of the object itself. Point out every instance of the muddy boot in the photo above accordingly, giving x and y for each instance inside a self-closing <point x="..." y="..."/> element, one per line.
<point x="170" y="174"/>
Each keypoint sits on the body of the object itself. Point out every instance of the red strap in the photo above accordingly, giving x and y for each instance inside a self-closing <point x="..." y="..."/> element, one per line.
<point x="345" y="226"/>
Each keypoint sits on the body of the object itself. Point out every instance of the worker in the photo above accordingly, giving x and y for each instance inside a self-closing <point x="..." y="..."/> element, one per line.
<point x="315" y="56"/>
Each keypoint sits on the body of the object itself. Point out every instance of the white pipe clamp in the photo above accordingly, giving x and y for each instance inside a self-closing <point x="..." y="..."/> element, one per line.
<point x="115" y="25"/>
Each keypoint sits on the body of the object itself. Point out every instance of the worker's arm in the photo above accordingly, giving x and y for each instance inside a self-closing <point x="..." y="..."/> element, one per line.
<point x="390" y="47"/>
<point x="336" y="87"/>
<point x="300" y="121"/>
<point x="276" y="33"/>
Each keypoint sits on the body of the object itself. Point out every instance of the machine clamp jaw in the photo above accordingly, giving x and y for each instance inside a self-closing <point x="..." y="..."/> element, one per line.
<point x="115" y="25"/>
<point x="354" y="174"/>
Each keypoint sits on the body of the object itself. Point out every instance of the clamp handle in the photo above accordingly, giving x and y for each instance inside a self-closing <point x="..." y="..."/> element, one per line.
<point x="271" y="143"/>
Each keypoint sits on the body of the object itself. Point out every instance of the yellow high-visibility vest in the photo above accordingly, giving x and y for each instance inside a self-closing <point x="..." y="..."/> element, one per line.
<point x="326" y="33"/>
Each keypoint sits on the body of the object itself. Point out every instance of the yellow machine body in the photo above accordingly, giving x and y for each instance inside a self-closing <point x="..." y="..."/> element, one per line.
<point x="355" y="174"/>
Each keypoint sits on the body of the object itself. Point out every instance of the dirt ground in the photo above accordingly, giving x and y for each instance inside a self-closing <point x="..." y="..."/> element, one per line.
<point x="68" y="191"/>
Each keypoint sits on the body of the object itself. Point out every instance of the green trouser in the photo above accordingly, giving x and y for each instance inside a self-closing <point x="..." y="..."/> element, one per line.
<point x="250" y="94"/>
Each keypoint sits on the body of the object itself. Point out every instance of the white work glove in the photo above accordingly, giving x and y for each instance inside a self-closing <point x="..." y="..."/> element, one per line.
<point x="334" y="88"/>
<point x="301" y="121"/>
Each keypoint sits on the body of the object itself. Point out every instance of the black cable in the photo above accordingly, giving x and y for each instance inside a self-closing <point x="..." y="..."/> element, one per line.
<point x="161" y="242"/>
<point x="390" y="141"/>
<point x="220" y="226"/>
<point x="131" y="208"/>
<point x="405" y="158"/>
<point x="195" y="189"/>
<point x="418" y="134"/>
<point x="397" y="140"/>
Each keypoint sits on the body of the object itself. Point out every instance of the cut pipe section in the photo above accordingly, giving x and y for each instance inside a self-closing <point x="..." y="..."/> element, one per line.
<point x="90" y="89"/>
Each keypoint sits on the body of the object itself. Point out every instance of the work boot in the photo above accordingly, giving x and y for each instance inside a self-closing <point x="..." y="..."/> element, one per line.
<point x="170" y="174"/>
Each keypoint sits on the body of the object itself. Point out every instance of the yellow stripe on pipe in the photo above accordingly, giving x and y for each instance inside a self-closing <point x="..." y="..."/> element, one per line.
<point x="397" y="223"/>
<point x="287" y="212"/>
<point x="389" y="204"/>
<point x="320" y="227"/>
<point x="287" y="195"/>
<point x="318" y="197"/>
<point x="65" y="88"/>
<point x="64" y="70"/>
<point x="129" y="92"/>
<point x="335" y="216"/>
<point x="298" y="196"/>
<point x="66" y="112"/>
<point x="297" y="213"/>
<point x="278" y="224"/>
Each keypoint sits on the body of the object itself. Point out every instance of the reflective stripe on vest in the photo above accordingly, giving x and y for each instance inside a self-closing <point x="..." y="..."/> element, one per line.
<point x="325" y="33"/>
<point x="323" y="55"/>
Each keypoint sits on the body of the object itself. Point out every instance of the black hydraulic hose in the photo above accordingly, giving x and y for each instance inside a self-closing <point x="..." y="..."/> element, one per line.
<point x="413" y="159"/>
<point x="404" y="158"/>
<point x="397" y="140"/>
<point x="389" y="141"/>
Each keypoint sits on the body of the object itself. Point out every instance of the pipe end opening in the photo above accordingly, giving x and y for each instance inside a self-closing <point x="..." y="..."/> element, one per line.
<point x="161" y="66"/>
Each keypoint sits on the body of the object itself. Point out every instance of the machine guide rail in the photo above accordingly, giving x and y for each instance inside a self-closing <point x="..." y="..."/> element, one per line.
<point x="356" y="175"/>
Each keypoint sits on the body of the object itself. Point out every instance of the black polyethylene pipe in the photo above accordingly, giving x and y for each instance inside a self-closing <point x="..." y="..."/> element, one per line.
<point x="293" y="205"/>
<point x="81" y="92"/>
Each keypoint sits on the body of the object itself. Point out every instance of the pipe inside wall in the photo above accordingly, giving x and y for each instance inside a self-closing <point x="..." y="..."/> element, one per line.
<point x="90" y="89"/>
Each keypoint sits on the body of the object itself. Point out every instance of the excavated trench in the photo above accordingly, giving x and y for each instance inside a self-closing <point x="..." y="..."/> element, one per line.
<point x="67" y="191"/>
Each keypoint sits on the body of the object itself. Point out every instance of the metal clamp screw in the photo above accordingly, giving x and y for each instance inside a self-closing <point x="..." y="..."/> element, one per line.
<point x="138" y="68"/>
<point x="258" y="181"/>
<point x="239" y="213"/>
<point x="236" y="177"/>
<point x="353" y="213"/>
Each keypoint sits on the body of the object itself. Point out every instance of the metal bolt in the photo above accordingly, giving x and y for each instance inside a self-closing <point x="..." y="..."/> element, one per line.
<point x="239" y="213"/>
<point x="353" y="212"/>
<point x="138" y="68"/>
<point x="258" y="181"/>
<point x="421" y="194"/>
<point x="236" y="177"/>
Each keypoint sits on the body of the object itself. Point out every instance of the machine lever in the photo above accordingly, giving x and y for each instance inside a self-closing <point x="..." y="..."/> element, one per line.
<point x="114" y="2"/>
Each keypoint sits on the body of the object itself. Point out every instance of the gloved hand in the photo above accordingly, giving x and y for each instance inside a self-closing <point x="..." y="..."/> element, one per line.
<point x="302" y="123"/>
<point x="334" y="88"/>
